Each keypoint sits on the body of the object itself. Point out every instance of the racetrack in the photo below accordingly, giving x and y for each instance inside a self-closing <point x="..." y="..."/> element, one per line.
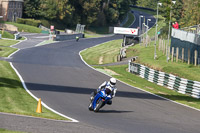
<point x="56" y="73"/>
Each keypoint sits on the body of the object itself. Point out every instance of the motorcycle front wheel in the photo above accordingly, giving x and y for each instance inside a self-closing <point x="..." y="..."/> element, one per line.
<point x="98" y="105"/>
<point x="90" y="106"/>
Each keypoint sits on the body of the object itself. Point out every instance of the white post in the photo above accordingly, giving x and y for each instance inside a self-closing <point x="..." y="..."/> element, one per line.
<point x="140" y="28"/>
<point x="155" y="56"/>
<point x="169" y="28"/>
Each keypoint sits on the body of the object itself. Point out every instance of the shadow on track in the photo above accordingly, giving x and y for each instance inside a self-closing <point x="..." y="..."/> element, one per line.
<point x="87" y="91"/>
<point x="113" y="111"/>
<point x="13" y="84"/>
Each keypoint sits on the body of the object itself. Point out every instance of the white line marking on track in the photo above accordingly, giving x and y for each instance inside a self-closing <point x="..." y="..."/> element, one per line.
<point x="24" y="85"/>
<point x="134" y="86"/>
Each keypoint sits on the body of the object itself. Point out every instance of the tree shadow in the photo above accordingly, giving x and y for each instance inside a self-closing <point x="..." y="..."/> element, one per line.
<point x="13" y="84"/>
<point x="9" y="83"/>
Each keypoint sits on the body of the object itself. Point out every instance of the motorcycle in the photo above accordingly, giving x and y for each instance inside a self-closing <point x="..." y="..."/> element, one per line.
<point x="101" y="98"/>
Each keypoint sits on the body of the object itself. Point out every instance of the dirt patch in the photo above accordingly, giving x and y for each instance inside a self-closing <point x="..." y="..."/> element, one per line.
<point x="111" y="72"/>
<point x="149" y="88"/>
<point x="101" y="60"/>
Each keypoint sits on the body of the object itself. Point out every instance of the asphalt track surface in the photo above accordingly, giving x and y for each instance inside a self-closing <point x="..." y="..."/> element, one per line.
<point x="56" y="73"/>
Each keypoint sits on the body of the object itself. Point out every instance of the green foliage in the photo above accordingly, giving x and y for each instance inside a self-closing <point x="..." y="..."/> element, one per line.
<point x="70" y="12"/>
<point x="7" y="35"/>
<point x="31" y="22"/>
<point x="147" y="3"/>
<point x="32" y="8"/>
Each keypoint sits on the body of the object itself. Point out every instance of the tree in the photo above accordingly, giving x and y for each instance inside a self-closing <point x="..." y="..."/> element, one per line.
<point x="32" y="8"/>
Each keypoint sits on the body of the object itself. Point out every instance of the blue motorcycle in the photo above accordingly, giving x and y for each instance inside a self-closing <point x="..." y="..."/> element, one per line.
<point x="101" y="98"/>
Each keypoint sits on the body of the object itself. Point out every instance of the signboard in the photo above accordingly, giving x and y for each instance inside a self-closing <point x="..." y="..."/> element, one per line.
<point x="1" y="16"/>
<point x="127" y="31"/>
<point x="52" y="27"/>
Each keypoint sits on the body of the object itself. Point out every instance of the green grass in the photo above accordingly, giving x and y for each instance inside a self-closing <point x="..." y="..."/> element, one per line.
<point x="130" y="20"/>
<point x="99" y="30"/>
<point x="5" y="50"/>
<point x="7" y="35"/>
<point x="8" y="131"/>
<point x="14" y="98"/>
<point x="103" y="54"/>
<point x="90" y="34"/>
<point x="146" y="57"/>
<point x="46" y="42"/>
<point x="136" y="81"/>
<point x="25" y="28"/>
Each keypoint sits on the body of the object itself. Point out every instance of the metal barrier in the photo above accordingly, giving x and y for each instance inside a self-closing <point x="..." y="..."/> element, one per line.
<point x="17" y="35"/>
<point x="170" y="81"/>
<point x="192" y="29"/>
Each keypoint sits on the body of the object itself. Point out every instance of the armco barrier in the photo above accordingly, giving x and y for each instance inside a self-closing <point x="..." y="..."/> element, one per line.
<point x="170" y="81"/>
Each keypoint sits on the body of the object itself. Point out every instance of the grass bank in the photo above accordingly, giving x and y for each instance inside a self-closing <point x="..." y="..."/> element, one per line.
<point x="94" y="54"/>
<point x="25" y="28"/>
<point x="7" y="35"/>
<point x="14" y="98"/>
<point x="5" y="49"/>
<point x="107" y="53"/>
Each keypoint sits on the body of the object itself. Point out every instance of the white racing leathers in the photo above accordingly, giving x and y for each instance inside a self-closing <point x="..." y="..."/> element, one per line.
<point x="107" y="85"/>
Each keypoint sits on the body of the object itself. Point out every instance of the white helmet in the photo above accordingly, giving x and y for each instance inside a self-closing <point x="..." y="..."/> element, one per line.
<point x="112" y="82"/>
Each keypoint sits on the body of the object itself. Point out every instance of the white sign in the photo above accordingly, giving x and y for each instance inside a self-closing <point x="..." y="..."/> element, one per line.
<point x="52" y="27"/>
<point x="129" y="31"/>
<point x="1" y="16"/>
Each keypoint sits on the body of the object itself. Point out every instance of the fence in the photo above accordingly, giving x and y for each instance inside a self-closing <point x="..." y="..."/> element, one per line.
<point x="170" y="81"/>
<point x="188" y="44"/>
<point x="192" y="29"/>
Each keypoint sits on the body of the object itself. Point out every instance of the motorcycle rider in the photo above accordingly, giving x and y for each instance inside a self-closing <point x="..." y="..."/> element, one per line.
<point x="109" y="87"/>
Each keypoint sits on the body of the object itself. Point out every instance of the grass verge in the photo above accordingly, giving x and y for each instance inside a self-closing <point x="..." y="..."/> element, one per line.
<point x="7" y="35"/>
<point x="92" y="55"/>
<point x="107" y="53"/>
<point x="5" y="49"/>
<point x="8" y="131"/>
<point x="25" y="28"/>
<point x="14" y="98"/>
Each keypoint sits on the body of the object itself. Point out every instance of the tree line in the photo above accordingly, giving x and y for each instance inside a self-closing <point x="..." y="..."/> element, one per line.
<point x="108" y="12"/>
<point x="71" y="12"/>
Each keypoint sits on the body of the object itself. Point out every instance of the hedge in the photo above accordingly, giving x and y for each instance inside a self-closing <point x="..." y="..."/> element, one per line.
<point x="31" y="22"/>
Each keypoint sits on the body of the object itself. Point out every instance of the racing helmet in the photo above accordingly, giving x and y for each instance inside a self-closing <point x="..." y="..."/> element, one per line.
<point x="112" y="82"/>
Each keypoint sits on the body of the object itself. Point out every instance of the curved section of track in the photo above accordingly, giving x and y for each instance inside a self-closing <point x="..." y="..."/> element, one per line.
<point x="56" y="73"/>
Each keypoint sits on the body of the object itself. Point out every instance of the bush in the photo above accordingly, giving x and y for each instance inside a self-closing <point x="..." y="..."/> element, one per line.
<point x="31" y="22"/>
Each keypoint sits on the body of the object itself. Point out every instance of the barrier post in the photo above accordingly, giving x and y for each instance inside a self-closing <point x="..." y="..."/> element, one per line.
<point x="177" y="54"/>
<point x="172" y="54"/>
<point x="182" y="55"/>
<point x="195" y="57"/>
<point x="188" y="56"/>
